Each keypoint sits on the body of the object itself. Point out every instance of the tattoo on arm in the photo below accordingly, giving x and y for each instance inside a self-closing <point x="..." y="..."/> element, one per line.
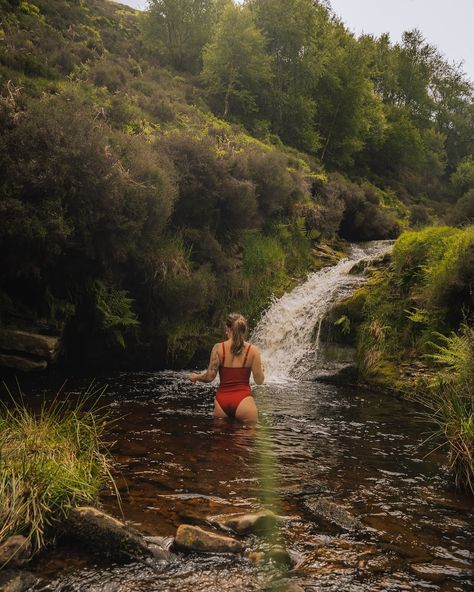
<point x="213" y="364"/>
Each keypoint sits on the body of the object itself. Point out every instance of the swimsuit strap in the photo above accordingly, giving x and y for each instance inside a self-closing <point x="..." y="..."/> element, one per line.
<point x="223" y="353"/>
<point x="246" y="354"/>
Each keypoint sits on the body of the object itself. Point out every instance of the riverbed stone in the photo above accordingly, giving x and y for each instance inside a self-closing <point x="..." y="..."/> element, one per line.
<point x="195" y="538"/>
<point x="16" y="581"/>
<point x="15" y="551"/>
<point x="257" y="522"/>
<point x="22" y="363"/>
<point x="160" y="547"/>
<point x="328" y="511"/>
<point x="279" y="555"/>
<point x="106" y="534"/>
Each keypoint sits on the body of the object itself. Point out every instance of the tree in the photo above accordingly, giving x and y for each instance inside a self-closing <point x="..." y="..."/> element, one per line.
<point x="178" y="30"/>
<point x="294" y="30"/>
<point x="349" y="113"/>
<point x="236" y="66"/>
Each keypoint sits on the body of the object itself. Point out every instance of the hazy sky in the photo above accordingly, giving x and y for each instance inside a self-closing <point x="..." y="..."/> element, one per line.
<point x="446" y="24"/>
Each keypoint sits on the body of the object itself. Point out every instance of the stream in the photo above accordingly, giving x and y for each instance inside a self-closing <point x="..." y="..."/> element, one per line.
<point x="363" y="451"/>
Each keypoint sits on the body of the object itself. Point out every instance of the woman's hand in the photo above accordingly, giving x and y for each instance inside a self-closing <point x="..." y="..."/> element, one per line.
<point x="193" y="377"/>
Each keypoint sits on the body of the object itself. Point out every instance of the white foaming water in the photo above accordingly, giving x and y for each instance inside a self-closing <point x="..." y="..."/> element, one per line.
<point x="286" y="332"/>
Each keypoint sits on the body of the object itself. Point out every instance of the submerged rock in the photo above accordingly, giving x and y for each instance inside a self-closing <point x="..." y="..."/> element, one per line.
<point x="279" y="555"/>
<point x="16" y="581"/>
<point x="15" y="551"/>
<point x="258" y="522"/>
<point x="160" y="547"/>
<point x="194" y="538"/>
<point x="106" y="534"/>
<point x="332" y="513"/>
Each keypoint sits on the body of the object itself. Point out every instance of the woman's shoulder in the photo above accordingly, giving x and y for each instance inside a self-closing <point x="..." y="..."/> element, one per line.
<point x="252" y="347"/>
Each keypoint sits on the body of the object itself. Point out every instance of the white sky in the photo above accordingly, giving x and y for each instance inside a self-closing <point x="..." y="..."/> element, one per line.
<point x="447" y="24"/>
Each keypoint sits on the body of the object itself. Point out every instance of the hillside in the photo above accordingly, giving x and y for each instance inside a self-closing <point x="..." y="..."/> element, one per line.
<point x="147" y="189"/>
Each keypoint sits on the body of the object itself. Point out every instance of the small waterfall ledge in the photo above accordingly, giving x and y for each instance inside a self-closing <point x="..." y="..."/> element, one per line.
<point x="288" y="333"/>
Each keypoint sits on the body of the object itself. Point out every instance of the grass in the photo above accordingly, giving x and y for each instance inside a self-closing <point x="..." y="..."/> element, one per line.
<point x="449" y="398"/>
<point x="50" y="462"/>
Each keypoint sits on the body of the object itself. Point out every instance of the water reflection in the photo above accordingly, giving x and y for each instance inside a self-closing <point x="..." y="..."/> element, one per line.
<point x="176" y="464"/>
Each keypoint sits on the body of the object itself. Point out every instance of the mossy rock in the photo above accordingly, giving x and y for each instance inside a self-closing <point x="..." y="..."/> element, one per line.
<point x="341" y="322"/>
<point x="384" y="373"/>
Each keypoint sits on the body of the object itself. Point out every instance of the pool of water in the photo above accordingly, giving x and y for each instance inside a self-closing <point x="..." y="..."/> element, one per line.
<point x="362" y="450"/>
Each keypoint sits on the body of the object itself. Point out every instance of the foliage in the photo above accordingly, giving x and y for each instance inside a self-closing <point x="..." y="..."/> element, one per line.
<point x="177" y="30"/>
<point x="449" y="396"/>
<point x="50" y="462"/>
<point x="463" y="210"/>
<point x="236" y="66"/>
<point x="119" y="185"/>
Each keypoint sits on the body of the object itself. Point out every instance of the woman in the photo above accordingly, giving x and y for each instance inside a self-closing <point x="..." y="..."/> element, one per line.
<point x="235" y="359"/>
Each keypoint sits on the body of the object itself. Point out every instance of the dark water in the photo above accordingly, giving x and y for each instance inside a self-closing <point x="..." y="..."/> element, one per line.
<point x="361" y="450"/>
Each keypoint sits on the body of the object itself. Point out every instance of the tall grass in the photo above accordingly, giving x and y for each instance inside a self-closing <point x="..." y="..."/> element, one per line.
<point x="449" y="396"/>
<point x="50" y="462"/>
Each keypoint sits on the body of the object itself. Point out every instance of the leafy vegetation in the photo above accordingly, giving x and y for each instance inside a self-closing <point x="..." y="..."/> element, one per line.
<point x="51" y="461"/>
<point x="418" y="315"/>
<point x="158" y="169"/>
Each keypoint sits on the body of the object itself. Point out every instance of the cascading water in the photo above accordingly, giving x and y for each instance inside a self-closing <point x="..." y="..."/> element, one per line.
<point x="286" y="332"/>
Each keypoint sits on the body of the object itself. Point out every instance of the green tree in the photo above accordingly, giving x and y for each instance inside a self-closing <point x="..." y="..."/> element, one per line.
<point x="236" y="67"/>
<point x="178" y="30"/>
<point x="294" y="30"/>
<point x="349" y="112"/>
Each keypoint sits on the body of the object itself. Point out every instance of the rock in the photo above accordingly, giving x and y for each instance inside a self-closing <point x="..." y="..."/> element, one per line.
<point x="34" y="344"/>
<point x="280" y="556"/>
<point x="194" y="538"/>
<point x="258" y="522"/>
<point x="106" y="534"/>
<point x="15" y="581"/>
<point x="15" y="551"/>
<point x="334" y="514"/>
<point x="292" y="587"/>
<point x="22" y="363"/>
<point x="160" y="547"/>
<point x="438" y="573"/>
<point x="256" y="556"/>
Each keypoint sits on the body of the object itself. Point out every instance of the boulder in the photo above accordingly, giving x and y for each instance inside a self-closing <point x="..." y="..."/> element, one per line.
<point x="101" y="532"/>
<point x="160" y="547"/>
<point x="282" y="557"/>
<point x="258" y="522"/>
<point x="16" y="581"/>
<point x="328" y="511"/>
<point x="34" y="344"/>
<point x="15" y="551"/>
<point x="24" y="364"/>
<point x="194" y="538"/>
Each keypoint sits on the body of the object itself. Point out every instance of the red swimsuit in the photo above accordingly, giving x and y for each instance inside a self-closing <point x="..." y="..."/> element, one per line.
<point x="234" y="386"/>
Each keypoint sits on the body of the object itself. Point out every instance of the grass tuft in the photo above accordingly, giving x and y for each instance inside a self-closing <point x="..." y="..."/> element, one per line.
<point x="50" y="462"/>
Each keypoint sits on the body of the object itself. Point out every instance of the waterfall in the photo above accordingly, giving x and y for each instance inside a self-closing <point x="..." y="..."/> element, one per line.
<point x="286" y="332"/>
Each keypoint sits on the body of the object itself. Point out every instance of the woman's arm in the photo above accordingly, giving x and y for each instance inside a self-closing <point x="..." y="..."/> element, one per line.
<point x="257" y="368"/>
<point x="211" y="372"/>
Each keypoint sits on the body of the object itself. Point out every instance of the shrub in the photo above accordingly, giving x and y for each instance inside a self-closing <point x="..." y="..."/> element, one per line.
<point x="462" y="213"/>
<point x="463" y="177"/>
<point x="198" y="181"/>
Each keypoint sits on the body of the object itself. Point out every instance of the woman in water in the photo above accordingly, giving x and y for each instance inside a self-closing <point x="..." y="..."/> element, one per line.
<point x="235" y="359"/>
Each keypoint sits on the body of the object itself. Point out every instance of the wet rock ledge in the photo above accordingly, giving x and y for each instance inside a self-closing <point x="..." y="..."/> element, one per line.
<point x="27" y="351"/>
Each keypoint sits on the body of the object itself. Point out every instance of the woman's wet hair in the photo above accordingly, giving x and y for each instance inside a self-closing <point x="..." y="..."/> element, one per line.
<point x="238" y="325"/>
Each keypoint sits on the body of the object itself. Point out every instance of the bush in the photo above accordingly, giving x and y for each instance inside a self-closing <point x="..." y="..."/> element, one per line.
<point x="198" y="179"/>
<point x="363" y="218"/>
<point x="462" y="213"/>
<point x="276" y="186"/>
